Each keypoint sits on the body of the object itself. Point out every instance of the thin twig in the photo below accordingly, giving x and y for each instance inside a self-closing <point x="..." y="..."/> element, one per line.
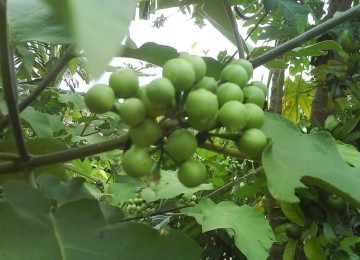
<point x="310" y="34"/>
<point x="226" y="186"/>
<point x="10" y="84"/>
<point x="66" y="155"/>
<point x="234" y="25"/>
<point x="63" y="60"/>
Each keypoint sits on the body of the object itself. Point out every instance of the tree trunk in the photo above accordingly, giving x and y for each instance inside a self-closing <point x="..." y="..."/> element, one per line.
<point x="277" y="91"/>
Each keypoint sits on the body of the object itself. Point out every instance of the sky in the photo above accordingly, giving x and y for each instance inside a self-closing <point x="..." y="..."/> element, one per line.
<point x="180" y="32"/>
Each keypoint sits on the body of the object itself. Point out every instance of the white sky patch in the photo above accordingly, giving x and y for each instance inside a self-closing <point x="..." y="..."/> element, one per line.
<point x="180" y="32"/>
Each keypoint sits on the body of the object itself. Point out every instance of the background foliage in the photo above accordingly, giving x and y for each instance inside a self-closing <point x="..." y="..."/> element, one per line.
<point x="64" y="194"/>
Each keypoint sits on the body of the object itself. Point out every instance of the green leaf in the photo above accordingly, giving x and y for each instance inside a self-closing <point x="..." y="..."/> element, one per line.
<point x="38" y="121"/>
<point x="169" y="186"/>
<point x="81" y="229"/>
<point x="349" y="154"/>
<point x="122" y="192"/>
<point x="158" y="54"/>
<point x="250" y="189"/>
<point x="312" y="159"/>
<point x="313" y="249"/>
<point x="290" y="250"/>
<point x="317" y="49"/>
<point x="215" y="13"/>
<point x="294" y="13"/>
<point x="96" y="28"/>
<point x="251" y="231"/>
<point x="33" y="20"/>
<point x="63" y="192"/>
<point x="293" y="212"/>
<point x="348" y="242"/>
<point x="73" y="98"/>
<point x="36" y="147"/>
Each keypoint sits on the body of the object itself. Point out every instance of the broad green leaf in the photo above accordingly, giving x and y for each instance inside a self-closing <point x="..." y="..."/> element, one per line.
<point x="312" y="159"/>
<point x="215" y="13"/>
<point x="293" y="212"/>
<point x="121" y="192"/>
<point x="251" y="231"/>
<point x="38" y="121"/>
<point x="96" y="28"/>
<point x="297" y="95"/>
<point x="61" y="191"/>
<point x="349" y="242"/>
<point x="75" y="99"/>
<point x="313" y="249"/>
<point x="250" y="189"/>
<point x="82" y="229"/>
<point x="174" y="3"/>
<point x="33" y="20"/>
<point x="320" y="48"/>
<point x="290" y="250"/>
<point x="158" y="54"/>
<point x="294" y="13"/>
<point x="36" y="147"/>
<point x="349" y="153"/>
<point x="169" y="186"/>
<point x="277" y="64"/>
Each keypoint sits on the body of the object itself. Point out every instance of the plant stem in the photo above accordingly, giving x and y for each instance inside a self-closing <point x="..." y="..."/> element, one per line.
<point x="87" y="124"/>
<point x="10" y="84"/>
<point x="44" y="83"/>
<point x="66" y="155"/>
<point x="234" y="25"/>
<point x="76" y="170"/>
<point x="230" y="184"/>
<point x="223" y="150"/>
<point x="306" y="36"/>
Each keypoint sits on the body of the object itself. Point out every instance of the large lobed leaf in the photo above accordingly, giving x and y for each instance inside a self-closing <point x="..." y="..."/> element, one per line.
<point x="80" y="229"/>
<point x="294" y="159"/>
<point x="32" y="20"/>
<point x="96" y="28"/>
<point x="251" y="231"/>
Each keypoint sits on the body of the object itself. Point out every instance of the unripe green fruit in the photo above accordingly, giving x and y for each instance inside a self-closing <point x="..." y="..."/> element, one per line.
<point x="260" y="85"/>
<point x="208" y="83"/>
<point x="236" y="74"/>
<point x="192" y="173"/>
<point x="336" y="203"/>
<point x="198" y="63"/>
<point x="151" y="110"/>
<point x="124" y="82"/>
<point x="160" y="92"/>
<point x="132" y="111"/>
<point x="254" y="95"/>
<point x="201" y="107"/>
<point x="100" y="98"/>
<point x="180" y="72"/>
<point x="229" y="91"/>
<point x="136" y="162"/>
<point x="233" y="115"/>
<point x="256" y="116"/>
<point x="181" y="145"/>
<point x="246" y="65"/>
<point x="146" y="133"/>
<point x="252" y="143"/>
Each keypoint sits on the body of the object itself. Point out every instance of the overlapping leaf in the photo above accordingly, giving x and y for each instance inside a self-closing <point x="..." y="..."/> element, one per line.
<point x="251" y="231"/>
<point x="80" y="229"/>
<point x="294" y="159"/>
